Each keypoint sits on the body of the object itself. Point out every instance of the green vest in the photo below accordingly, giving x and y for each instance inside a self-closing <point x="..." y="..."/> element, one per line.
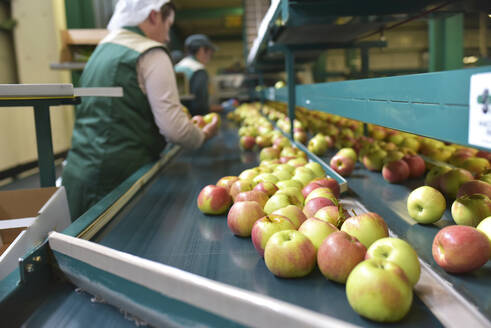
<point x="189" y="65"/>
<point x="112" y="137"/>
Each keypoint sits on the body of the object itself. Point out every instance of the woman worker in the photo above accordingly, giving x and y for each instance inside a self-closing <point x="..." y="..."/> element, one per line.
<point x="113" y="137"/>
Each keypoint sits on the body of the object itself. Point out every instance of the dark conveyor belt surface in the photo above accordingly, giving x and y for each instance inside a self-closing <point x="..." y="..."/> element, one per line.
<point x="163" y="224"/>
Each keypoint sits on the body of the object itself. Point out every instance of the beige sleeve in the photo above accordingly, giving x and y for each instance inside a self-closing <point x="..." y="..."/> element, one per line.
<point x="157" y="80"/>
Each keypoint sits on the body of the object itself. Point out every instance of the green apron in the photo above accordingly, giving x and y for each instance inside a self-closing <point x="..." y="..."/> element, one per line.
<point x="112" y="137"/>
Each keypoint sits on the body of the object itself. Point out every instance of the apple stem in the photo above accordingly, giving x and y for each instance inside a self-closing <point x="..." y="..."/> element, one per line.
<point x="354" y="212"/>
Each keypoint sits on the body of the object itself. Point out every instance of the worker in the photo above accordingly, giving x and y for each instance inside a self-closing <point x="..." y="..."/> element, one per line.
<point x="199" y="51"/>
<point x="113" y="137"/>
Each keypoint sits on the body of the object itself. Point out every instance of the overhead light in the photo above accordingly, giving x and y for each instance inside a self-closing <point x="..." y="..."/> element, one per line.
<point x="470" y="60"/>
<point x="489" y="15"/>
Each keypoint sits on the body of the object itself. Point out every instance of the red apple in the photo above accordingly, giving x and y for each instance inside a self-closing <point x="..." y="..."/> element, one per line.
<point x="308" y="188"/>
<point x="417" y="165"/>
<point x="330" y="183"/>
<point x="342" y="165"/>
<point x="242" y="216"/>
<point x="338" y="254"/>
<point x="451" y="181"/>
<point x="214" y="200"/>
<point x="226" y="182"/>
<point x="247" y="142"/>
<point x="315" y="204"/>
<point x="253" y="195"/>
<point x="460" y="249"/>
<point x="267" y="187"/>
<point x="474" y="187"/>
<point x="240" y="186"/>
<point x="335" y="215"/>
<point x="396" y="171"/>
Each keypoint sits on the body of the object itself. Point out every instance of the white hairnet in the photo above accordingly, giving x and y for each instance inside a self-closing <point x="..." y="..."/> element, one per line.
<point x="133" y="12"/>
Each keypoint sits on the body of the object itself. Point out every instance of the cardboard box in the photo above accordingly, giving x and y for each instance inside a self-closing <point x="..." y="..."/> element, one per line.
<point x="26" y="218"/>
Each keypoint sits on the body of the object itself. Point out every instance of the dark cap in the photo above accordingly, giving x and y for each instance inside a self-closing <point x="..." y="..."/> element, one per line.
<point x="199" y="40"/>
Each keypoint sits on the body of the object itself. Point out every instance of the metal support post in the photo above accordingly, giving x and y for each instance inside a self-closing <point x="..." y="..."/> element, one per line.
<point x="290" y="75"/>
<point x="446" y="42"/>
<point x="44" y="145"/>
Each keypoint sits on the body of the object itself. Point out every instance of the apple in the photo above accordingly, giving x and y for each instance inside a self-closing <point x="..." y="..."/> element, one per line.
<point x="295" y="192"/>
<point x="304" y="175"/>
<point x="348" y="152"/>
<point x="417" y="166"/>
<point x="315" y="204"/>
<point x="263" y="141"/>
<point x="242" y="216"/>
<point x="316" y="230"/>
<point x="265" y="177"/>
<point x="316" y="168"/>
<point x="286" y="167"/>
<point x="484" y="154"/>
<point x="300" y="136"/>
<point x="476" y="165"/>
<point x="290" y="184"/>
<point x="411" y="143"/>
<point x="426" y="205"/>
<point x="289" y="254"/>
<point x="396" y="171"/>
<point x="330" y="183"/>
<point x="379" y="290"/>
<point x="336" y="215"/>
<point x="470" y="210"/>
<point x="297" y="162"/>
<point x="253" y="195"/>
<point x="374" y="160"/>
<point x="338" y="254"/>
<point x="269" y="153"/>
<point x="460" y="249"/>
<point x="309" y="188"/>
<point x="240" y="186"/>
<point x="433" y="177"/>
<point x="367" y="228"/>
<point x="214" y="200"/>
<point x="474" y="187"/>
<point x="317" y="146"/>
<point x="248" y="174"/>
<point x="451" y="181"/>
<point x="247" y="142"/>
<point x="268" y="188"/>
<point x="208" y="118"/>
<point x="321" y="192"/>
<point x="199" y="121"/>
<point x="265" y="227"/>
<point x="342" y="165"/>
<point x="227" y="182"/>
<point x="485" y="227"/>
<point x="294" y="213"/>
<point x="399" y="252"/>
<point x="278" y="201"/>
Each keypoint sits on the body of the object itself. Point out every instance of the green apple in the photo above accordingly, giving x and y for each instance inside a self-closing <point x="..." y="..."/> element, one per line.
<point x="374" y="161"/>
<point x="317" y="230"/>
<point x="322" y="192"/>
<point x="289" y="183"/>
<point x="433" y="178"/>
<point x="294" y="213"/>
<point x="485" y="227"/>
<point x="317" y="146"/>
<point x="278" y="201"/>
<point x="282" y="175"/>
<point x="348" y="152"/>
<point x="304" y="175"/>
<point x="269" y="153"/>
<point x="289" y="254"/>
<point x="367" y="228"/>
<point x="471" y="210"/>
<point x="265" y="227"/>
<point x="476" y="165"/>
<point x="379" y="290"/>
<point x="316" y="168"/>
<point x="249" y="174"/>
<point x="294" y="192"/>
<point x="411" y="143"/>
<point x="399" y="252"/>
<point x="426" y="205"/>
<point x="451" y="181"/>
<point x="265" y="177"/>
<point x="297" y="162"/>
<point x="286" y="167"/>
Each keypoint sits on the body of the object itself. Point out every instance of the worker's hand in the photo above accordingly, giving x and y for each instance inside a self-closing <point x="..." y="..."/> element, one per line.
<point x="199" y="121"/>
<point x="211" y="128"/>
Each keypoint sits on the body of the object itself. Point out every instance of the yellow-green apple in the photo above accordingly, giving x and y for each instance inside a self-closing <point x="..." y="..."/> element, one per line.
<point x="374" y="160"/>
<point x="289" y="254"/>
<point x="289" y="152"/>
<point x="317" y="230"/>
<point x="199" y="121"/>
<point x="316" y="168"/>
<point x="367" y="228"/>
<point x="474" y="187"/>
<point x="297" y="162"/>
<point x="321" y="192"/>
<point x="399" y="252"/>
<point x="253" y="195"/>
<point x="282" y="175"/>
<point x="294" y="192"/>
<point x="476" y="165"/>
<point x="268" y="188"/>
<point x="433" y="177"/>
<point x="411" y="143"/>
<point x="269" y="153"/>
<point x="210" y="117"/>
<point x="396" y="171"/>
<point x="342" y="164"/>
<point x="240" y="186"/>
<point x="294" y="213"/>
<point x="247" y="142"/>
<point x="396" y="138"/>
<point x="315" y="204"/>
<point x="485" y="176"/>
<point x="336" y="215"/>
<point x="426" y="204"/>
<point x="278" y="201"/>
<point x="451" y="181"/>
<point x="242" y="216"/>
<point x="460" y="249"/>
<point x="265" y="177"/>
<point x="304" y="175"/>
<point x="317" y="146"/>
<point x="265" y="227"/>
<point x="417" y="166"/>
<point x="289" y="184"/>
<point x="330" y="183"/>
<point x="485" y="227"/>
<point x="281" y="142"/>
<point x="249" y="174"/>
<point x="214" y="200"/>
<point x="470" y="210"/>
<point x="286" y="167"/>
<point x="300" y="136"/>
<point x="338" y="254"/>
<point x="379" y="290"/>
<point x="263" y="141"/>
<point x="227" y="182"/>
<point x="348" y="152"/>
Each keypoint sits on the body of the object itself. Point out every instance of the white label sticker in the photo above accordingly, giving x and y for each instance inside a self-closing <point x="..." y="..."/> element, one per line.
<point x="480" y="110"/>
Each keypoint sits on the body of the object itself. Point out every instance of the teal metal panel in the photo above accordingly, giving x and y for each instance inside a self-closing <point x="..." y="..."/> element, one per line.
<point x="446" y="42"/>
<point x="411" y="103"/>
